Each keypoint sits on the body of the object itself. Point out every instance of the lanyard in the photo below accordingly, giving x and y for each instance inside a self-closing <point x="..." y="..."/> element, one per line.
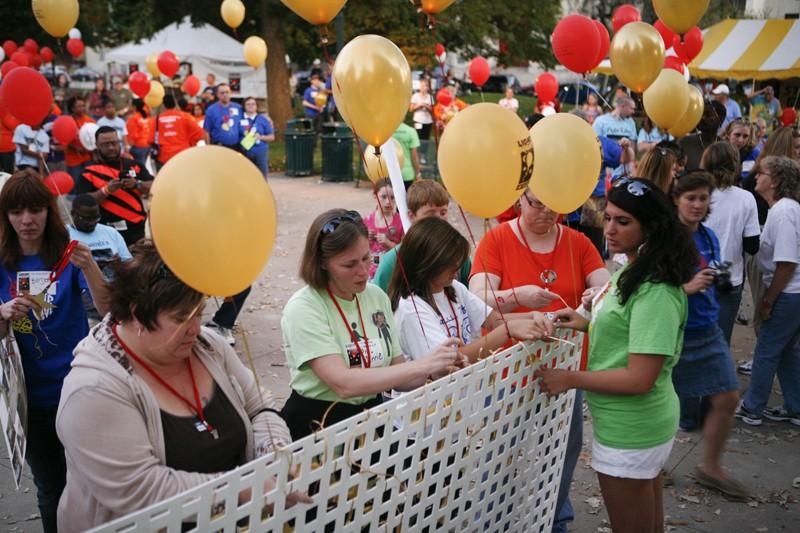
<point x="366" y="362"/>
<point x="197" y="407"/>
<point x="455" y="317"/>
<point x="547" y="275"/>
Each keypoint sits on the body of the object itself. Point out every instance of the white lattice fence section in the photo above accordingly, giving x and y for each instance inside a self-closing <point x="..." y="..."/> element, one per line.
<point x="481" y="450"/>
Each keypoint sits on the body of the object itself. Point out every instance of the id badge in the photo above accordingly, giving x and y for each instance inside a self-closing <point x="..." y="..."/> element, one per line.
<point x="119" y="225"/>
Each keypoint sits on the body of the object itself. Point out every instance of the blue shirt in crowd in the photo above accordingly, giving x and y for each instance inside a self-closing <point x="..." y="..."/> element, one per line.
<point x="703" y="306"/>
<point x="609" y="125"/>
<point x="105" y="243"/>
<point x="223" y="124"/>
<point x="262" y="126"/>
<point x="308" y="96"/>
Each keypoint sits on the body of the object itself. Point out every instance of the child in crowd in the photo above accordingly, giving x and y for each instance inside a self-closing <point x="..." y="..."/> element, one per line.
<point x="383" y="224"/>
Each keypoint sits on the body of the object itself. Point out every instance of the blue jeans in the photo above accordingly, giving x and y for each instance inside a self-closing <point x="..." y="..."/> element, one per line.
<point x="45" y="456"/>
<point x="564" y="512"/>
<point x="259" y="159"/>
<point x="140" y="154"/>
<point x="777" y="351"/>
<point x="229" y="310"/>
<point x="728" y="309"/>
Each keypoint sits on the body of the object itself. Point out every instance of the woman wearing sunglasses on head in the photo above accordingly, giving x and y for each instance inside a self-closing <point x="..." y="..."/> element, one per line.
<point x="339" y="336"/>
<point x="635" y="340"/>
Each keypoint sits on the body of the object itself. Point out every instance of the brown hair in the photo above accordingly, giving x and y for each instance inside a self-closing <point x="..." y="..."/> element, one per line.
<point x="656" y="166"/>
<point x="25" y="189"/>
<point x="144" y="287"/>
<point x="431" y="247"/>
<point x="380" y="184"/>
<point x="786" y="172"/>
<point x="721" y="159"/>
<point x="330" y="234"/>
<point x="742" y="123"/>
<point x="426" y="192"/>
<point x="692" y="181"/>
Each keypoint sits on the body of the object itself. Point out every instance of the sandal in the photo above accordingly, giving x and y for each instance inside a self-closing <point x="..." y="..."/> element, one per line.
<point x="730" y="488"/>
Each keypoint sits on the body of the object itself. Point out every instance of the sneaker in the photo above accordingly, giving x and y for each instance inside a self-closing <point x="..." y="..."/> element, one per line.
<point x="745" y="368"/>
<point x="747" y="417"/>
<point x="741" y="319"/>
<point x="780" y="414"/>
<point x="225" y="333"/>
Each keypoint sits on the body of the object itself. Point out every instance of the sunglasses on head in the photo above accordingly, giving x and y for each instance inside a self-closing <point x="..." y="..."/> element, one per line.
<point x="634" y="187"/>
<point x="331" y="225"/>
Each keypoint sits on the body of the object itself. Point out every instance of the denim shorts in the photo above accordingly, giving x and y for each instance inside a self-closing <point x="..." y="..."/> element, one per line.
<point x="706" y="365"/>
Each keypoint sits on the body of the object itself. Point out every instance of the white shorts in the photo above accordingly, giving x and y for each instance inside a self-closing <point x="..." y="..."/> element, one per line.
<point x="631" y="464"/>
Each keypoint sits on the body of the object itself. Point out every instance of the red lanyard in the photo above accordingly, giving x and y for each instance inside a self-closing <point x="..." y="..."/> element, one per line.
<point x="197" y="407"/>
<point x="547" y="275"/>
<point x="366" y="362"/>
<point x="455" y="317"/>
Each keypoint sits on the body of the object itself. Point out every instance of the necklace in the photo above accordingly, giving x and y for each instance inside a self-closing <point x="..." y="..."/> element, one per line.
<point x="366" y="362"/>
<point x="547" y="275"/>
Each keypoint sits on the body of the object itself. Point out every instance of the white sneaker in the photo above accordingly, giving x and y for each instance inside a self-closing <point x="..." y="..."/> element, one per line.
<point x="745" y="368"/>
<point x="225" y="333"/>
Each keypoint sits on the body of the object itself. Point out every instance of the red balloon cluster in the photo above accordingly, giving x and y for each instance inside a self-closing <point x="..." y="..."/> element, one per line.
<point x="31" y="45"/>
<point x="59" y="183"/>
<point x="65" y="129"/>
<point x="479" y="71"/>
<point x="139" y="84"/>
<point x="21" y="58"/>
<point x="546" y="88"/>
<point x="168" y="63"/>
<point x="9" y="47"/>
<point x="625" y="14"/>
<point x="580" y="43"/>
<point x="691" y="46"/>
<point x="7" y="67"/>
<point x="191" y="85"/>
<point x="27" y="95"/>
<point x="75" y="47"/>
<point x="667" y="35"/>
<point x="444" y="97"/>
<point x="47" y="54"/>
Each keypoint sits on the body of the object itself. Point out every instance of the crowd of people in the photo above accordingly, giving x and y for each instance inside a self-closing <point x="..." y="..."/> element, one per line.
<point x="150" y="401"/>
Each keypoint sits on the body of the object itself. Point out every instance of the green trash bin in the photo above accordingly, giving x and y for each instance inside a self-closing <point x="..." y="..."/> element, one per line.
<point x="300" y="139"/>
<point x="337" y="152"/>
<point x="429" y="166"/>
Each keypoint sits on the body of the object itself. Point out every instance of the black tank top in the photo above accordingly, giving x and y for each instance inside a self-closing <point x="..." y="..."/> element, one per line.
<point x="198" y="451"/>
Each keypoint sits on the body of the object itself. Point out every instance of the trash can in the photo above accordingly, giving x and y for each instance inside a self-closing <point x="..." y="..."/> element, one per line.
<point x="300" y="137"/>
<point x="337" y="152"/>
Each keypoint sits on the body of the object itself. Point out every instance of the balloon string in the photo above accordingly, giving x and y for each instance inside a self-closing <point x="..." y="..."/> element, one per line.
<point x="324" y="39"/>
<point x="59" y="197"/>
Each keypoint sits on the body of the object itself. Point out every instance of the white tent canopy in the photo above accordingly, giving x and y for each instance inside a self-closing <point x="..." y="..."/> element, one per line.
<point x="207" y="49"/>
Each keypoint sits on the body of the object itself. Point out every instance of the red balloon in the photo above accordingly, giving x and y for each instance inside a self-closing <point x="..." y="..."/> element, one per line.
<point x="9" y="47"/>
<point x="546" y="87"/>
<point x="75" y="47"/>
<point x="139" y="84"/>
<point x="21" y="58"/>
<point x="31" y="45"/>
<point x="27" y="95"/>
<point x="438" y="49"/>
<point x="691" y="46"/>
<point x="444" y="97"/>
<point x="36" y="61"/>
<point x="479" y="71"/>
<point x="65" y="130"/>
<point x="576" y="43"/>
<point x="47" y="54"/>
<point x="605" y="42"/>
<point x="624" y="14"/>
<point x="191" y="85"/>
<point x="667" y="35"/>
<point x="168" y="63"/>
<point x="59" y="183"/>
<point x="6" y="67"/>
<point x="675" y="63"/>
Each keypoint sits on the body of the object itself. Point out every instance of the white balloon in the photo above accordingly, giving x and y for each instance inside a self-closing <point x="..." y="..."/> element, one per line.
<point x="2" y="54"/>
<point x="74" y="33"/>
<point x="86" y="135"/>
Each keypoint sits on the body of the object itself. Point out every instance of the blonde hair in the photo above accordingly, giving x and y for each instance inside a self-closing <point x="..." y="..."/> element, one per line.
<point x="656" y="166"/>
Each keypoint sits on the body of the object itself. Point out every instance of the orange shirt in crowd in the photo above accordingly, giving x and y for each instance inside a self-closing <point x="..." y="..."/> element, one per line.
<point x="140" y="130"/>
<point x="76" y="154"/>
<point x="177" y="131"/>
<point x="7" y="126"/>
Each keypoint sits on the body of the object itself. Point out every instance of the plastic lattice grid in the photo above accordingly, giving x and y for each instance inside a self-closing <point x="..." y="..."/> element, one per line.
<point x="480" y="450"/>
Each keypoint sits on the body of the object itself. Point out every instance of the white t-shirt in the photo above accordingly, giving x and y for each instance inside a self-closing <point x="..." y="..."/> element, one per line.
<point x="780" y="241"/>
<point x="423" y="116"/>
<point x="471" y="311"/>
<point x="34" y="140"/>
<point x="512" y="104"/>
<point x="733" y="216"/>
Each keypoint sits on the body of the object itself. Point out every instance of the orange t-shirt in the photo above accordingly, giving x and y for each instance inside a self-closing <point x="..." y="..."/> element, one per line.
<point x="76" y="154"/>
<point x="177" y="131"/>
<point x="139" y="130"/>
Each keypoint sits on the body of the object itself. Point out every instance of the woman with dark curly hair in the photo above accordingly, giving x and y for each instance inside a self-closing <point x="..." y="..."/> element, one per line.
<point x="628" y="380"/>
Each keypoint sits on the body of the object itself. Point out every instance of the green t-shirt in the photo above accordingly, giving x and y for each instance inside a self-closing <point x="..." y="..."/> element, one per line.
<point x="312" y="327"/>
<point x="386" y="267"/>
<point x="651" y="322"/>
<point x="408" y="139"/>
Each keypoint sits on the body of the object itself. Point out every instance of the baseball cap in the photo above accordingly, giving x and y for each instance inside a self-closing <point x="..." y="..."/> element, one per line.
<point x="317" y="62"/>
<point x="721" y="89"/>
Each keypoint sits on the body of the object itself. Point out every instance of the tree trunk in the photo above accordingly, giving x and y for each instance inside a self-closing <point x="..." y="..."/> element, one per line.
<point x="279" y="97"/>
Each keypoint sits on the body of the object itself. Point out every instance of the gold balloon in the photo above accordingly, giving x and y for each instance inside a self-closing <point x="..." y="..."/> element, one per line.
<point x="666" y="99"/>
<point x="321" y="98"/>
<point x="151" y="62"/>
<point x="232" y="12"/>
<point x="316" y="11"/>
<point x="680" y="15"/>
<point x="57" y="17"/>
<point x="691" y="117"/>
<point x="372" y="87"/>
<point x="377" y="168"/>
<point x="255" y="51"/>
<point x="637" y="55"/>
<point x="215" y="234"/>
<point x="568" y="160"/>
<point x="155" y="96"/>
<point x="486" y="159"/>
<point x="435" y="6"/>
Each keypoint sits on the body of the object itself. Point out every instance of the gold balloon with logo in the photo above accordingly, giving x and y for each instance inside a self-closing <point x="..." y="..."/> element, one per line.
<point x="255" y="51"/>
<point x="486" y="159"/>
<point x="377" y="168"/>
<point x="666" y="99"/>
<point x="691" y="117"/>
<point x="215" y="234"/>
<point x="680" y="15"/>
<point x="57" y="17"/>
<point x="151" y="62"/>
<point x="316" y="11"/>
<point x="155" y="96"/>
<point x="568" y="159"/>
<point x="372" y="87"/>
<point x="232" y="12"/>
<point x="637" y="55"/>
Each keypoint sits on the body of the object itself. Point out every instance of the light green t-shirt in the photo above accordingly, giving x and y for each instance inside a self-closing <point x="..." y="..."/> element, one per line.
<point x="408" y="139"/>
<point x="312" y="327"/>
<point x="388" y="261"/>
<point x="651" y="322"/>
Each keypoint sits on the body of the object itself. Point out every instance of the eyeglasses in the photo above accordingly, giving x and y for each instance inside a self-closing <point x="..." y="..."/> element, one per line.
<point x="634" y="187"/>
<point x="535" y="204"/>
<point x="331" y="225"/>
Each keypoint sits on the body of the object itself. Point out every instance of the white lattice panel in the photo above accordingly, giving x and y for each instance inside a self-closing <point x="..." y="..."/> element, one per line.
<point x="481" y="450"/>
